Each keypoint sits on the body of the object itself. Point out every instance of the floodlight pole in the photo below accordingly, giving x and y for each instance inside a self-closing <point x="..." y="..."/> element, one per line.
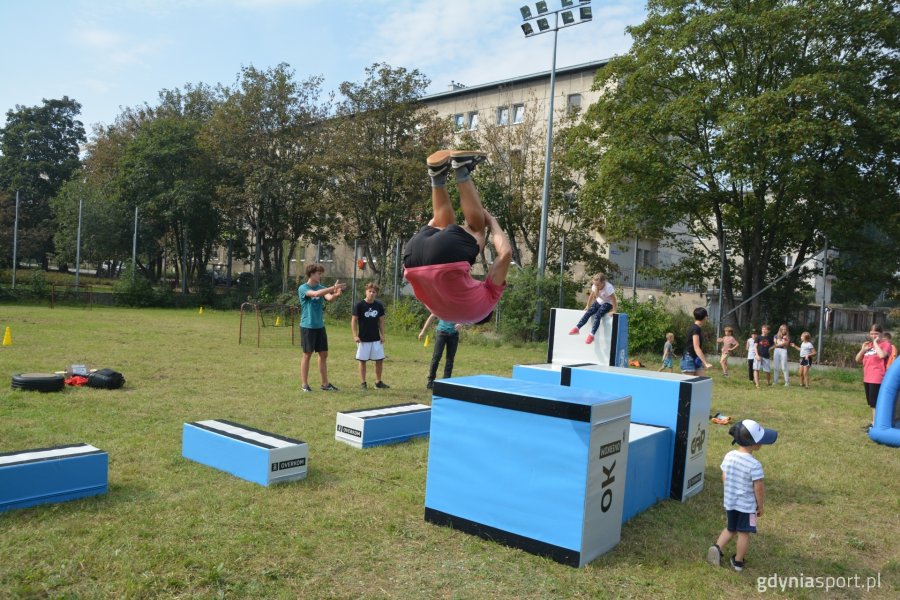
<point x="15" y="241"/>
<point x="545" y="201"/>
<point x="78" y="244"/>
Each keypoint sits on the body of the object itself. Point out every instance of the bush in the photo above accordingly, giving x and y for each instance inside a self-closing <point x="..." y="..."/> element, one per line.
<point x="648" y="323"/>
<point x="407" y="314"/>
<point x="134" y="290"/>
<point x="519" y="303"/>
<point x="39" y="286"/>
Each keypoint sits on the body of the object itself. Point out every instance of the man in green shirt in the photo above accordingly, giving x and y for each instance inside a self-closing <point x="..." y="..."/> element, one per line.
<point x="312" y="324"/>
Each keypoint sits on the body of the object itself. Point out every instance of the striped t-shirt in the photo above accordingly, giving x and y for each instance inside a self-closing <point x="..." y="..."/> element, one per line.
<point x="741" y="470"/>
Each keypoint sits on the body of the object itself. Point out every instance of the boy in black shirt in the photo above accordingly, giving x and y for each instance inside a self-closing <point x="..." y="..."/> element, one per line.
<point x="367" y="325"/>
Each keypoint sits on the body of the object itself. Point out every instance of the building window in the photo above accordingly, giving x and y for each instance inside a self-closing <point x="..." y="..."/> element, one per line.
<point x="326" y="253"/>
<point x="473" y="121"/>
<point x="458" y="121"/>
<point x="518" y="113"/>
<point x="503" y="115"/>
<point x="573" y="103"/>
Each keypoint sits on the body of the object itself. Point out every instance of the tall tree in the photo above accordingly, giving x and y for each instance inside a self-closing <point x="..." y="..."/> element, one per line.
<point x="765" y="125"/>
<point x="381" y="135"/>
<point x="266" y="138"/>
<point x="39" y="149"/>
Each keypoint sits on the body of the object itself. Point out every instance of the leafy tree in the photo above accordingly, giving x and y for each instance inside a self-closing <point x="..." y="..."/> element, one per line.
<point x="379" y="140"/>
<point x="766" y="126"/>
<point x="267" y="141"/>
<point x="511" y="186"/>
<point x="38" y="152"/>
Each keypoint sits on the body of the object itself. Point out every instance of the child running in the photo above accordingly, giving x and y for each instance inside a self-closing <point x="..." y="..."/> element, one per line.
<point x="729" y="345"/>
<point x="601" y="300"/>
<point x="668" y="353"/>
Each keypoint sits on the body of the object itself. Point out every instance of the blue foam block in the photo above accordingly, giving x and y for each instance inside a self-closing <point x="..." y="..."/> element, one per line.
<point x="58" y="474"/>
<point x="649" y="468"/>
<point x="258" y="456"/>
<point x="537" y="467"/>
<point x="382" y="425"/>
<point x="678" y="402"/>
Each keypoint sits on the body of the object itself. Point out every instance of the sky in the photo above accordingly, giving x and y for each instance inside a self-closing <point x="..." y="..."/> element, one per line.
<point x="112" y="54"/>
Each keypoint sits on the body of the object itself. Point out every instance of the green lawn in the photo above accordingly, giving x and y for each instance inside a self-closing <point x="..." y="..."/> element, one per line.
<point x="354" y="528"/>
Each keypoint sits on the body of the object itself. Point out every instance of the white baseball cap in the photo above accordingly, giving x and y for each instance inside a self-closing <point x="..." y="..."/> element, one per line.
<point x="748" y="430"/>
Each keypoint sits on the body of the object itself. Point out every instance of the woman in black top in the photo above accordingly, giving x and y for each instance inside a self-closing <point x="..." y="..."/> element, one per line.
<point x="694" y="361"/>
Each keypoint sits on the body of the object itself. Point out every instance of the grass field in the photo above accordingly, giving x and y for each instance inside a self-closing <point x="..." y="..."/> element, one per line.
<point x="170" y="528"/>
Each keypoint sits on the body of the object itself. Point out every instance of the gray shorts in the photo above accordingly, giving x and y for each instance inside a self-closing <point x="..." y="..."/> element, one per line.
<point x="762" y="364"/>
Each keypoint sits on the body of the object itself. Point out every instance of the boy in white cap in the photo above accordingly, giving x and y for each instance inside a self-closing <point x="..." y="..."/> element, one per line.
<point x="742" y="476"/>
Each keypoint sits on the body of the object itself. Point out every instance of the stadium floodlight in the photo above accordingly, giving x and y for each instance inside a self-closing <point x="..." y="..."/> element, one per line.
<point x="543" y="24"/>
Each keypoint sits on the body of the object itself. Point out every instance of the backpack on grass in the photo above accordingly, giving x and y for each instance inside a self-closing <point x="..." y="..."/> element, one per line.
<point x="106" y="379"/>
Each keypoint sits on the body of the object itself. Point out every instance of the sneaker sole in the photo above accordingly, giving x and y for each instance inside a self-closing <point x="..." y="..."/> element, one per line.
<point x="464" y="154"/>
<point x="714" y="557"/>
<point x="439" y="158"/>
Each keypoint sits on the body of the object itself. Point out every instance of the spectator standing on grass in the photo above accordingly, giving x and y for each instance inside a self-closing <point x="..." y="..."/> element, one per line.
<point x="780" y="363"/>
<point x="668" y="355"/>
<point x="729" y="345"/>
<point x="873" y="356"/>
<point x="367" y="325"/>
<point x="694" y="361"/>
<point x="744" y="494"/>
<point x="807" y="351"/>
<point x="763" y="344"/>
<point x="751" y="353"/>
<point x="446" y="336"/>
<point x="313" y="337"/>
<point x="893" y="356"/>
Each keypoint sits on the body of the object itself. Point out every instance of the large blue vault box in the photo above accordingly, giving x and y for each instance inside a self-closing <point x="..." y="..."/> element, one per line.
<point x="43" y="475"/>
<point x="258" y="456"/>
<point x="535" y="466"/>
<point x="678" y="402"/>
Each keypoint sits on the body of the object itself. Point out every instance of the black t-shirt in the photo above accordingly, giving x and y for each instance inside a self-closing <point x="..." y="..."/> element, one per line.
<point x="368" y="315"/>
<point x="689" y="344"/>
<point x="763" y="343"/>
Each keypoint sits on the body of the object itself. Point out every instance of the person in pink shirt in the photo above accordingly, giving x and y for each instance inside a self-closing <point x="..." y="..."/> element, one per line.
<point x="874" y="356"/>
<point x="439" y="258"/>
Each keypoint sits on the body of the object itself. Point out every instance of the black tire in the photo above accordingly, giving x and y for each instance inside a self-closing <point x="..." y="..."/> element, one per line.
<point x="38" y="382"/>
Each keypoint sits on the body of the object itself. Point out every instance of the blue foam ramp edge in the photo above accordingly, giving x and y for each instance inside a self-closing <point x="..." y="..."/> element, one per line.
<point x="369" y="427"/>
<point x="48" y="475"/>
<point x="258" y="456"/>
<point x="538" y="467"/>
<point x="649" y="468"/>
<point x="886" y="425"/>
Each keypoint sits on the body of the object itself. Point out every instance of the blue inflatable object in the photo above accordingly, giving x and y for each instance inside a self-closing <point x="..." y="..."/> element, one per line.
<point x="886" y="428"/>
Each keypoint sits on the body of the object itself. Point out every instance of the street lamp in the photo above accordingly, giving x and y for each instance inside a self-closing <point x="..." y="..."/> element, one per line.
<point x="542" y="17"/>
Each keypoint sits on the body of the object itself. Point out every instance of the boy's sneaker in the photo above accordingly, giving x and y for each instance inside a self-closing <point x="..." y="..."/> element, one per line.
<point x="363" y="386"/>
<point x="305" y="388"/>
<point x="429" y="385"/>
<point x="328" y="388"/>
<point x="737" y="565"/>
<point x="438" y="163"/>
<point x="714" y="556"/>
<point x="381" y="385"/>
<point x="466" y="159"/>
